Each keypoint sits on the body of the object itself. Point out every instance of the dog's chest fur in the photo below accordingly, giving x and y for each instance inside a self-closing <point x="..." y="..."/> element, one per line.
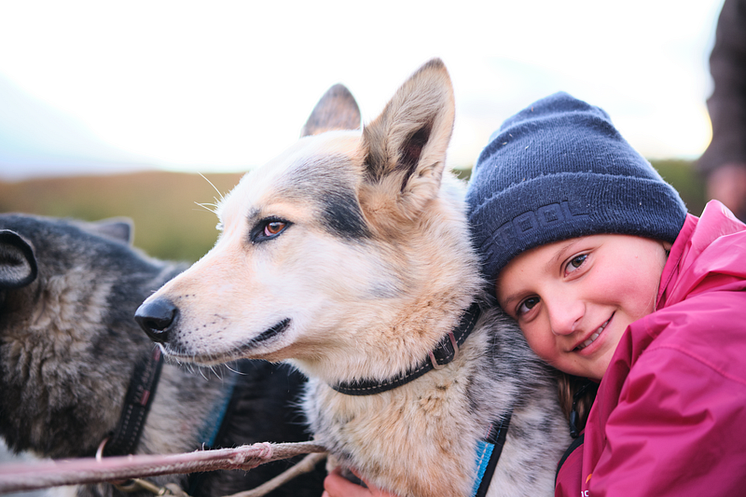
<point x="422" y="436"/>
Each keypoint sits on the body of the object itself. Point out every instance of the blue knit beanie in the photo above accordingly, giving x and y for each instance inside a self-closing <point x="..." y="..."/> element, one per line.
<point x="557" y="170"/>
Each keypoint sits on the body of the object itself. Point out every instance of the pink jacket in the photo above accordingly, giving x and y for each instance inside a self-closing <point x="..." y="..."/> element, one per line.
<point x="670" y="415"/>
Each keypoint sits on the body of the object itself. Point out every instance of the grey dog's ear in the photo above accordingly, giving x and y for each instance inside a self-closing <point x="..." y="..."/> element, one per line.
<point x="120" y="229"/>
<point x="17" y="261"/>
<point x="337" y="109"/>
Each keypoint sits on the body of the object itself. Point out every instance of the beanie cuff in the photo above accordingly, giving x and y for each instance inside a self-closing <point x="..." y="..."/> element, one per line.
<point x="572" y="205"/>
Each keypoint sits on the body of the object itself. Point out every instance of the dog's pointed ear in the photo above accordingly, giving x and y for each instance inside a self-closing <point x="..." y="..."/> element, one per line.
<point x="120" y="229"/>
<point x="17" y="261"/>
<point x="406" y="145"/>
<point x="337" y="109"/>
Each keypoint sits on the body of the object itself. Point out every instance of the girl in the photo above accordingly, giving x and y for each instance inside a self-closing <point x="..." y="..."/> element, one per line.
<point x="609" y="279"/>
<point x="615" y="285"/>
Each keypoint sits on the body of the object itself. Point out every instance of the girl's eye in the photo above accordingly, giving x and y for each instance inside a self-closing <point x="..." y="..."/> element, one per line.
<point x="526" y="305"/>
<point x="274" y="228"/>
<point x="575" y="263"/>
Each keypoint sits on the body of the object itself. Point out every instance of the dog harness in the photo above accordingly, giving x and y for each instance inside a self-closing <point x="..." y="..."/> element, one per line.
<point x="488" y="453"/>
<point x="489" y="449"/>
<point x="140" y="394"/>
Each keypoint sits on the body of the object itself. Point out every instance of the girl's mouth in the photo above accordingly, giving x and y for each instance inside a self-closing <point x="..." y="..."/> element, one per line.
<point x="593" y="336"/>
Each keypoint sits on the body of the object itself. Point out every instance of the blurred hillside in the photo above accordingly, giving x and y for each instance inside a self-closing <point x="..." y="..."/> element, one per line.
<point x="169" y="224"/>
<point x="681" y="175"/>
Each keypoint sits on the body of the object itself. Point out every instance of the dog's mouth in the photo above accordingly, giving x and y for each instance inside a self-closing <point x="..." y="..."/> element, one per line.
<point x="240" y="352"/>
<point x="270" y="333"/>
<point x="248" y="349"/>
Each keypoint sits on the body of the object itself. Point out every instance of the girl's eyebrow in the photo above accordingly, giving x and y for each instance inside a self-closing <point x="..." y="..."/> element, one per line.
<point x="504" y="303"/>
<point x="559" y="254"/>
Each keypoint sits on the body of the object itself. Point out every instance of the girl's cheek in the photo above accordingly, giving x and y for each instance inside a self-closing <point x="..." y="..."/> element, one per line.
<point x="538" y="341"/>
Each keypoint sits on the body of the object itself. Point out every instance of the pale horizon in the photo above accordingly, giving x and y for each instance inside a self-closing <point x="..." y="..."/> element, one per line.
<point x="225" y="86"/>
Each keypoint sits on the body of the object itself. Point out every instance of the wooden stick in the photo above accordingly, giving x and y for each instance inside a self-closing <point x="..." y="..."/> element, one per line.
<point x="306" y="465"/>
<point x="33" y="476"/>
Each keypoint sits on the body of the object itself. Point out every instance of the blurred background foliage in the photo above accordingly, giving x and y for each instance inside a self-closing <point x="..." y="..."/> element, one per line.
<point x="163" y="205"/>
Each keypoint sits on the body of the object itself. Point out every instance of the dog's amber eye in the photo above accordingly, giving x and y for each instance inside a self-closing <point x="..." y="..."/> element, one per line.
<point x="274" y="228"/>
<point x="267" y="229"/>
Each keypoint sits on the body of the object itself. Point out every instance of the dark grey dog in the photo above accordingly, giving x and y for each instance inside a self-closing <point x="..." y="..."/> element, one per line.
<point x="75" y="369"/>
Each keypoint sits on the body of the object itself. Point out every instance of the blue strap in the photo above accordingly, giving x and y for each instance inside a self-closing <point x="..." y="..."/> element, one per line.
<point x="484" y="452"/>
<point x="488" y="454"/>
<point x="214" y="421"/>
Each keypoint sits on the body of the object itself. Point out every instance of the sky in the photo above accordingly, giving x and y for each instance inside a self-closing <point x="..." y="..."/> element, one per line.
<point x="218" y="86"/>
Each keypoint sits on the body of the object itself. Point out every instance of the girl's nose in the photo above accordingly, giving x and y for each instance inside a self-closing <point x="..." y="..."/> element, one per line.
<point x="565" y="313"/>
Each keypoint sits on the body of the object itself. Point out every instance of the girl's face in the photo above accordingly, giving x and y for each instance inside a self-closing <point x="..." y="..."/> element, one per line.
<point x="573" y="299"/>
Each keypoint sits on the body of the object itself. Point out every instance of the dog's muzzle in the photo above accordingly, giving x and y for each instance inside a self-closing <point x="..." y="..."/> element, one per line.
<point x="157" y="317"/>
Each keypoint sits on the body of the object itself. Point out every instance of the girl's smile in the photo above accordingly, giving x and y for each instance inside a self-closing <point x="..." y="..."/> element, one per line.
<point x="593" y="337"/>
<point x="574" y="299"/>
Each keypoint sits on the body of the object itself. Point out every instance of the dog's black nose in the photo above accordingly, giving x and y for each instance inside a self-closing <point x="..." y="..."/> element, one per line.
<point x="156" y="318"/>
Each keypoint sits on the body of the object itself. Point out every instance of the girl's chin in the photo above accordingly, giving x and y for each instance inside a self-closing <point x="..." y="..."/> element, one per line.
<point x="593" y="367"/>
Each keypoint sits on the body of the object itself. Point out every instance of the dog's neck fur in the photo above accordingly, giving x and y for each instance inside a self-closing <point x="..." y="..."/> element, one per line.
<point x="445" y="352"/>
<point x="440" y="419"/>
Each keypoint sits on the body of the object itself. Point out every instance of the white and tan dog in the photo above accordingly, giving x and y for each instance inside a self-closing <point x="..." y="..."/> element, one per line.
<point x="349" y="256"/>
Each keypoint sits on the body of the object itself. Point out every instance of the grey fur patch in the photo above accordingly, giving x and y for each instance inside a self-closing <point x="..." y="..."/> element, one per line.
<point x="328" y="182"/>
<point x="342" y="215"/>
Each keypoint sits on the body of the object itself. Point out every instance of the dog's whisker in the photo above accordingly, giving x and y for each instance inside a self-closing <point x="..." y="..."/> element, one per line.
<point x="213" y="186"/>
<point x="209" y="207"/>
<point x="229" y="368"/>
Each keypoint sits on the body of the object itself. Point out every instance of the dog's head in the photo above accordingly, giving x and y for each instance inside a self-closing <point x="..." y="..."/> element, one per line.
<point x="67" y="339"/>
<point x="325" y="250"/>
